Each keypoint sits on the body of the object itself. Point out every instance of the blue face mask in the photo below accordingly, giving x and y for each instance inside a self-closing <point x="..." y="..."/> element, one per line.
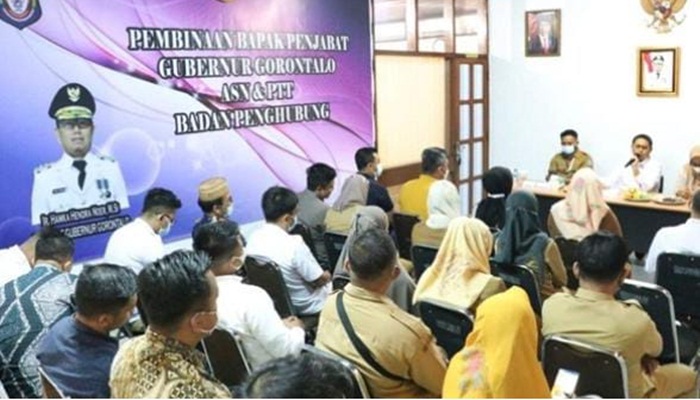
<point x="568" y="149"/>
<point x="166" y="230"/>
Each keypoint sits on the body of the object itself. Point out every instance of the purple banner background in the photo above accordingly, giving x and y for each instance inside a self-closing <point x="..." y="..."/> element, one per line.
<point x="85" y="41"/>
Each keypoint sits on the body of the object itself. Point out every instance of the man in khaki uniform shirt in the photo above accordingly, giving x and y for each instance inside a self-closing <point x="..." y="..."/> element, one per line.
<point x="397" y="341"/>
<point x="565" y="163"/>
<point x="593" y="315"/>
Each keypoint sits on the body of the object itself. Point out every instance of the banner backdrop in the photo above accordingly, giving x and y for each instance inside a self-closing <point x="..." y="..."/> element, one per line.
<point x="252" y="90"/>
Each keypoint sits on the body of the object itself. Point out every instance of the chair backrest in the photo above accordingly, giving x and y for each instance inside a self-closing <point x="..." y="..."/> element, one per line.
<point x="522" y="276"/>
<point x="422" y="257"/>
<point x="403" y="225"/>
<point x="302" y="230"/>
<point x="339" y="282"/>
<point x="658" y="303"/>
<point x="334" y="246"/>
<point x="50" y="389"/>
<point x="680" y="275"/>
<point x="361" y="390"/>
<point x="601" y="372"/>
<point x="266" y="274"/>
<point x="567" y="248"/>
<point x="225" y="356"/>
<point x="449" y="325"/>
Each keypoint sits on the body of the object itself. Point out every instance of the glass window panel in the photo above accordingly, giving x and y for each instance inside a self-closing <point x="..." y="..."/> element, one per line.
<point x="478" y="82"/>
<point x="464" y="117"/>
<point x="464" y="196"/>
<point x="471" y="33"/>
<point x="477" y="188"/>
<point x="478" y="120"/>
<point x="478" y="158"/>
<point x="464" y="161"/>
<point x="464" y="81"/>
<point x="390" y="25"/>
<point x="432" y="26"/>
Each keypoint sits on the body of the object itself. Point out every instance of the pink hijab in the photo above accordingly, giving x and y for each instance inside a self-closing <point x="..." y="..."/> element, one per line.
<point x="584" y="207"/>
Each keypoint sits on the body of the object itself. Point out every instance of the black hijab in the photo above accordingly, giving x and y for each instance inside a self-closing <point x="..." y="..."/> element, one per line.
<point x="498" y="182"/>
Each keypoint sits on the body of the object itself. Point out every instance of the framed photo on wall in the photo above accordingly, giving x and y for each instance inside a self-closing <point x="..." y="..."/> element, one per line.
<point x="542" y="33"/>
<point x="657" y="71"/>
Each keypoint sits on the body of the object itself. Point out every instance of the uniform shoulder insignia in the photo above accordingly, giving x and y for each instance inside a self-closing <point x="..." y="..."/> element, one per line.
<point x="107" y="158"/>
<point x="43" y="167"/>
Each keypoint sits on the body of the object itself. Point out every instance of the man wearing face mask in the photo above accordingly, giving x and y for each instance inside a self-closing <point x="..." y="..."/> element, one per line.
<point x="320" y="182"/>
<point x="215" y="200"/>
<point x="246" y="309"/>
<point x="140" y="242"/>
<point x="369" y="165"/>
<point x="178" y="293"/>
<point x="413" y="197"/>
<point x="565" y="164"/>
<point x="308" y="284"/>
<point x="80" y="178"/>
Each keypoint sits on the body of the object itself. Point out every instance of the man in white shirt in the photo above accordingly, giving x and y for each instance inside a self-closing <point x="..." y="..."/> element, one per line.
<point x="684" y="239"/>
<point x="17" y="260"/>
<point x="641" y="171"/>
<point x="246" y="309"/>
<point x="139" y="242"/>
<point x="308" y="284"/>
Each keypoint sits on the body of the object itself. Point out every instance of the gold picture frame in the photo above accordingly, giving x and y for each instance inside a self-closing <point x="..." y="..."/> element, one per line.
<point x="658" y="71"/>
<point x="543" y="33"/>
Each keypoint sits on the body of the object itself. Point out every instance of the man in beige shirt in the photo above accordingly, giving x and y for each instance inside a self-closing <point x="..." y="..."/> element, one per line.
<point x="593" y="315"/>
<point x="411" y="363"/>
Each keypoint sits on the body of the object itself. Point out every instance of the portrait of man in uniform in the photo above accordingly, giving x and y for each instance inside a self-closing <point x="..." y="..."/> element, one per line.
<point x="80" y="178"/>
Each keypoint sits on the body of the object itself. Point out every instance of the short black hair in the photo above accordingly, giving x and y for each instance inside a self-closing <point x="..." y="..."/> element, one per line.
<point x="432" y="158"/>
<point x="159" y="200"/>
<point x="645" y="137"/>
<point x="301" y="376"/>
<point x="104" y="289"/>
<point x="54" y="245"/>
<point x="569" y="132"/>
<point x="318" y="175"/>
<point x="208" y="206"/>
<point x="172" y="287"/>
<point x="277" y="201"/>
<point x="218" y="240"/>
<point x="695" y="203"/>
<point x="601" y="257"/>
<point x="364" y="156"/>
<point x="371" y="253"/>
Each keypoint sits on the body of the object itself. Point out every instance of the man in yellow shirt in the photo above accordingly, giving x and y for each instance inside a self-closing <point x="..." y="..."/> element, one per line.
<point x="413" y="197"/>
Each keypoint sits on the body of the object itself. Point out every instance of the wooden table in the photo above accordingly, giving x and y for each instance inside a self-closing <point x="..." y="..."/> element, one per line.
<point x="639" y="220"/>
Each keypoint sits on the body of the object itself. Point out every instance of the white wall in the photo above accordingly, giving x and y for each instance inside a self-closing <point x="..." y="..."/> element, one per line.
<point x="591" y="87"/>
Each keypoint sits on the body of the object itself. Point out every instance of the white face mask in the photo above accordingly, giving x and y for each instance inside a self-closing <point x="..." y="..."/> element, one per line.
<point x="568" y="149"/>
<point x="293" y="224"/>
<point x="229" y="210"/>
<point x="165" y="230"/>
<point x="241" y="259"/>
<point x="379" y="170"/>
<point x="696" y="170"/>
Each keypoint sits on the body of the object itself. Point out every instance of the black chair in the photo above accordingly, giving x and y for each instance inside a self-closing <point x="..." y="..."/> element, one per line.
<point x="403" y="225"/>
<point x="339" y="282"/>
<point x="51" y="391"/>
<point x="360" y="391"/>
<point x="422" y="258"/>
<point x="567" y="248"/>
<point x="266" y="274"/>
<point x="601" y="372"/>
<point x="680" y="275"/>
<point x="305" y="233"/>
<point x="225" y="357"/>
<point x="680" y="342"/>
<point x="334" y="246"/>
<point x="449" y="325"/>
<point x="520" y="275"/>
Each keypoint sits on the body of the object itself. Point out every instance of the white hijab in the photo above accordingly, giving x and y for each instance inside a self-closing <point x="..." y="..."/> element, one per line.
<point x="443" y="204"/>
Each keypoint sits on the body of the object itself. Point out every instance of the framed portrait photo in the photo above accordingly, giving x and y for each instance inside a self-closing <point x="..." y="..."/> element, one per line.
<point x="542" y="33"/>
<point x="657" y="71"/>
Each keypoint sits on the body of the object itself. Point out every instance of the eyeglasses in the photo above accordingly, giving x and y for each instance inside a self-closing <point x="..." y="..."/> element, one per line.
<point x="80" y="123"/>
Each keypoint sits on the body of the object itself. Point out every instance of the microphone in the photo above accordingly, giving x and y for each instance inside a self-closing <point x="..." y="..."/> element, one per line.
<point x="630" y="162"/>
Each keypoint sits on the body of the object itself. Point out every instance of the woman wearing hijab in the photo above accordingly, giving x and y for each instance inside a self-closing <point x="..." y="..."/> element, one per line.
<point x="583" y="210"/>
<point x="461" y="274"/>
<point x="523" y="242"/>
<point x="689" y="177"/>
<point x="443" y="207"/>
<point x="352" y="197"/>
<point x="369" y="217"/>
<point x="499" y="358"/>
<point x="498" y="183"/>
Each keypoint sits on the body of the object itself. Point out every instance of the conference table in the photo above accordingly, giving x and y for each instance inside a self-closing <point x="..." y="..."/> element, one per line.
<point x="639" y="220"/>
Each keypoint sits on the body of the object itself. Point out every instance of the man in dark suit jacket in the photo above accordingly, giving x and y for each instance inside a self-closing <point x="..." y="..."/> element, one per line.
<point x="544" y="42"/>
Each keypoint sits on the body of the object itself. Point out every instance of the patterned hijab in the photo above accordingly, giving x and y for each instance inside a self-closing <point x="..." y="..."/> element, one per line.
<point x="522" y="241"/>
<point x="498" y="183"/>
<point x="443" y="204"/>
<point x="461" y="268"/>
<point x="499" y="359"/>
<point x="354" y="192"/>
<point x="366" y="218"/>
<point x="584" y="207"/>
